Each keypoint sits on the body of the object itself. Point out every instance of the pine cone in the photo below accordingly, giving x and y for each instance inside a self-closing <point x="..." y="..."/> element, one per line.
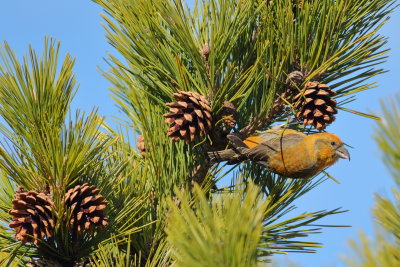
<point x="87" y="208"/>
<point x="315" y="106"/>
<point x="140" y="145"/>
<point x="189" y="117"/>
<point x="31" y="216"/>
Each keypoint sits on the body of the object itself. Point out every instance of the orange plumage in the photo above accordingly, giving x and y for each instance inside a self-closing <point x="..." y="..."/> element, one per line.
<point x="285" y="152"/>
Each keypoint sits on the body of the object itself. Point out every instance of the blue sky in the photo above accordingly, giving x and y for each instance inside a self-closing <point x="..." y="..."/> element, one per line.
<point x="77" y="24"/>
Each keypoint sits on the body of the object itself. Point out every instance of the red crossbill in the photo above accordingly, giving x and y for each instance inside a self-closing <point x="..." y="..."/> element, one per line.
<point x="285" y="152"/>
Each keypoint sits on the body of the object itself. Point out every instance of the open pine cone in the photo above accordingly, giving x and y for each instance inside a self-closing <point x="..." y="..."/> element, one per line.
<point x="87" y="208"/>
<point x="31" y="216"/>
<point x="189" y="117"/>
<point x="315" y="105"/>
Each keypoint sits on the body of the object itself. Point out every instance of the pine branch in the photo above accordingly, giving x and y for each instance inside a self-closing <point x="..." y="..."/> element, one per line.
<point x="243" y="52"/>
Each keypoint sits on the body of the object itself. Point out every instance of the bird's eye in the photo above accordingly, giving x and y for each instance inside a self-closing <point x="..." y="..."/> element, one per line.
<point x="333" y="143"/>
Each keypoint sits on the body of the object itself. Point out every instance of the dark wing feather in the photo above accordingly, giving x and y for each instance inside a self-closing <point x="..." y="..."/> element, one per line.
<point x="236" y="141"/>
<point x="273" y="143"/>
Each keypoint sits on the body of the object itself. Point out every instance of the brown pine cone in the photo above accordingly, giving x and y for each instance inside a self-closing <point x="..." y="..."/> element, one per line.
<point x="315" y="105"/>
<point x="189" y="117"/>
<point x="141" y="146"/>
<point x="87" y="208"/>
<point x="31" y="216"/>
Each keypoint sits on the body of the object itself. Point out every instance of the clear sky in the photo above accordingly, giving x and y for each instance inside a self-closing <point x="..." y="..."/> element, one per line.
<point x="77" y="24"/>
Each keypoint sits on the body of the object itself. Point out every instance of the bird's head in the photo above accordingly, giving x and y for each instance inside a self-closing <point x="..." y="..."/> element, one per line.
<point x="329" y="148"/>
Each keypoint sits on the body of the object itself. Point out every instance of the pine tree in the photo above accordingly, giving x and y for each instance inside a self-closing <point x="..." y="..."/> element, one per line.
<point x="77" y="192"/>
<point x="384" y="249"/>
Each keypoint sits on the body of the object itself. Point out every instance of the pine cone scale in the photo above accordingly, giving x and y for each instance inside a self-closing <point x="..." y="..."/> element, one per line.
<point x="208" y="115"/>
<point x="86" y="200"/>
<point x="309" y="100"/>
<point x="318" y="113"/>
<point x="319" y="102"/>
<point x="15" y="224"/>
<point x="323" y="93"/>
<point x="188" y="117"/>
<point x="31" y="199"/>
<point x="73" y="196"/>
<point x="323" y="86"/>
<point x="98" y="199"/>
<point x="18" y="213"/>
<point x="183" y="132"/>
<point x="40" y="208"/>
<point x="199" y="113"/>
<point x="180" y="121"/>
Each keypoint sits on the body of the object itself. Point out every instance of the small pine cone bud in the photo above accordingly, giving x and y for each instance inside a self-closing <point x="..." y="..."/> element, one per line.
<point x="228" y="114"/>
<point x="87" y="208"/>
<point x="295" y="79"/>
<point x="141" y="146"/>
<point x="32" y="216"/>
<point x="315" y="105"/>
<point x="205" y="51"/>
<point x="189" y="117"/>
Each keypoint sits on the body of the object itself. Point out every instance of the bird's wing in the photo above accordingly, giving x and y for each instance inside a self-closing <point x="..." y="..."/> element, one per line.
<point x="271" y="142"/>
<point x="289" y="136"/>
<point x="253" y="141"/>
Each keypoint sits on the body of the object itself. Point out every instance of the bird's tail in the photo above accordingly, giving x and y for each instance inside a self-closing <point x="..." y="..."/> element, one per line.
<point x="229" y="155"/>
<point x="232" y="156"/>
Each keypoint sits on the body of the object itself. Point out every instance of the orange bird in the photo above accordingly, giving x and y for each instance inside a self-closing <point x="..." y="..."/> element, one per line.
<point x="285" y="152"/>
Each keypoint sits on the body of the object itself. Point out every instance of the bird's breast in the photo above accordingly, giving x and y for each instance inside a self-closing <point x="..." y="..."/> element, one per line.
<point x="297" y="163"/>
